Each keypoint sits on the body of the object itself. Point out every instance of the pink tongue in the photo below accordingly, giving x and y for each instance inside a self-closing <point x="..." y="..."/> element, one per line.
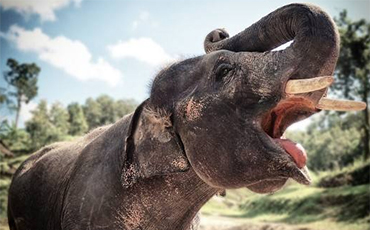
<point x="295" y="150"/>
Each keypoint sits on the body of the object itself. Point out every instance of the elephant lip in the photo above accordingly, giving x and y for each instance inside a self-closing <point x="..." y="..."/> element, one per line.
<point x="271" y="185"/>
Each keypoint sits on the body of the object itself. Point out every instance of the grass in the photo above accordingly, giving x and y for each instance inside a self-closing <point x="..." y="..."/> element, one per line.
<point x="346" y="207"/>
<point x="357" y="165"/>
<point x="4" y="185"/>
<point x="5" y="182"/>
<point x="341" y="208"/>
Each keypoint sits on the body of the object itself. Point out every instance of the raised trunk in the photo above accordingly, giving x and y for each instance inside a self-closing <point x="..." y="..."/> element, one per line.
<point x="314" y="51"/>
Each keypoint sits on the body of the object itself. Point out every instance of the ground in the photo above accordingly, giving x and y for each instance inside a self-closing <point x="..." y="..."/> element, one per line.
<point x="229" y="223"/>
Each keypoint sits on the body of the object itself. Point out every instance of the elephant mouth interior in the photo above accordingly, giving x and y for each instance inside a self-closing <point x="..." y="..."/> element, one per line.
<point x="278" y="119"/>
<point x="286" y="113"/>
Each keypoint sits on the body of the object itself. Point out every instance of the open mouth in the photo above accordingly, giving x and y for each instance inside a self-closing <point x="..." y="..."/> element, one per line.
<point x="303" y="99"/>
<point x="286" y="113"/>
<point x="277" y="120"/>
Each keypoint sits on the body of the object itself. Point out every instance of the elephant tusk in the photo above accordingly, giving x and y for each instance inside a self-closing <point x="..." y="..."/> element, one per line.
<point x="308" y="85"/>
<point x="340" y="105"/>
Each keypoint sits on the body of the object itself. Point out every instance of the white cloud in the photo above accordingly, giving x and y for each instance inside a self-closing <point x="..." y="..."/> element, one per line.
<point x="26" y="111"/>
<point x="72" y="56"/>
<point x="143" y="49"/>
<point x="44" y="8"/>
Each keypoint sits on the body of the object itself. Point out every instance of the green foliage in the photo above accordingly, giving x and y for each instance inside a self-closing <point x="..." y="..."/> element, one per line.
<point x="6" y="103"/>
<point x="93" y="112"/>
<point x="4" y="185"/>
<point x="3" y="96"/>
<point x="59" y="124"/>
<point x="331" y="141"/>
<point x="104" y="110"/>
<point x="23" y="78"/>
<point x="107" y="107"/>
<point x="341" y="204"/>
<point x="123" y="107"/>
<point x="41" y="128"/>
<point x="353" y="68"/>
<point x="16" y="139"/>
<point x="77" y="121"/>
<point x="357" y="175"/>
<point x="59" y="117"/>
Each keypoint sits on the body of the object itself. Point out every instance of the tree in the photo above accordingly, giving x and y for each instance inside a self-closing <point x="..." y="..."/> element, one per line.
<point x="40" y="128"/>
<point x="108" y="115"/>
<point x="3" y="96"/>
<point x="77" y="121"/>
<point x="5" y="103"/>
<point x="59" y="118"/>
<point x="105" y="110"/>
<point x="17" y="140"/>
<point x="353" y="68"/>
<point x="23" y="77"/>
<point x="123" y="107"/>
<point x="93" y="113"/>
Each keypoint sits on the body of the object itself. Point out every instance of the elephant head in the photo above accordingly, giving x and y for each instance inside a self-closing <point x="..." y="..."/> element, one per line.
<point x="223" y="114"/>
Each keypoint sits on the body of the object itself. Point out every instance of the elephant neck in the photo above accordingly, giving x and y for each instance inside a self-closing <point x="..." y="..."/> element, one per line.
<point x="167" y="202"/>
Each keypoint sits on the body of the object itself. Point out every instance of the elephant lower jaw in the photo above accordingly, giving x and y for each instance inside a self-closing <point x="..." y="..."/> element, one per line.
<point x="267" y="186"/>
<point x="272" y="185"/>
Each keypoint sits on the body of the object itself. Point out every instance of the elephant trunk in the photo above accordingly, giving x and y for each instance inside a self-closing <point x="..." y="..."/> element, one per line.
<point x="313" y="53"/>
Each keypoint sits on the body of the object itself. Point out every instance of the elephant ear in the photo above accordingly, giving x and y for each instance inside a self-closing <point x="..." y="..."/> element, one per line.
<point x="152" y="146"/>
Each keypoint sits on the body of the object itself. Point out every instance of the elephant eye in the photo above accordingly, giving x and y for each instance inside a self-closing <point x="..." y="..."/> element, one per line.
<point x="222" y="71"/>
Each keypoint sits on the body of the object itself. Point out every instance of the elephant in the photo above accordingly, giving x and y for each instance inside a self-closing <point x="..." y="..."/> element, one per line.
<point x="211" y="123"/>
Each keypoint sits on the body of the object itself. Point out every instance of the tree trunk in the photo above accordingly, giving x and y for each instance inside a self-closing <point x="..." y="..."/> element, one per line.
<point x="19" y="104"/>
<point x="366" y="124"/>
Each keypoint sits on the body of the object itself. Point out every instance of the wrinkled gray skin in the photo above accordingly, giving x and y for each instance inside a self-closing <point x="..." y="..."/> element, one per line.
<point x="200" y="132"/>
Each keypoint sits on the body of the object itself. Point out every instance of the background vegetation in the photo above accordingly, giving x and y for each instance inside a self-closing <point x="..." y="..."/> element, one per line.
<point x="337" y="145"/>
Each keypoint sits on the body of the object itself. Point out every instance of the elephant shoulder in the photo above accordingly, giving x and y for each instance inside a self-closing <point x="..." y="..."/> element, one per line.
<point x="95" y="133"/>
<point x="30" y="162"/>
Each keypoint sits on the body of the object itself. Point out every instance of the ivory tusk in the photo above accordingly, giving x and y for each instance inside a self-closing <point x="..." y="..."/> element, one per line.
<point x="308" y="85"/>
<point x="340" y="105"/>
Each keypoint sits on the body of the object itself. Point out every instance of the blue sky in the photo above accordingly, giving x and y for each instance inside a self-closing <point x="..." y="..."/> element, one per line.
<point x="86" y="48"/>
